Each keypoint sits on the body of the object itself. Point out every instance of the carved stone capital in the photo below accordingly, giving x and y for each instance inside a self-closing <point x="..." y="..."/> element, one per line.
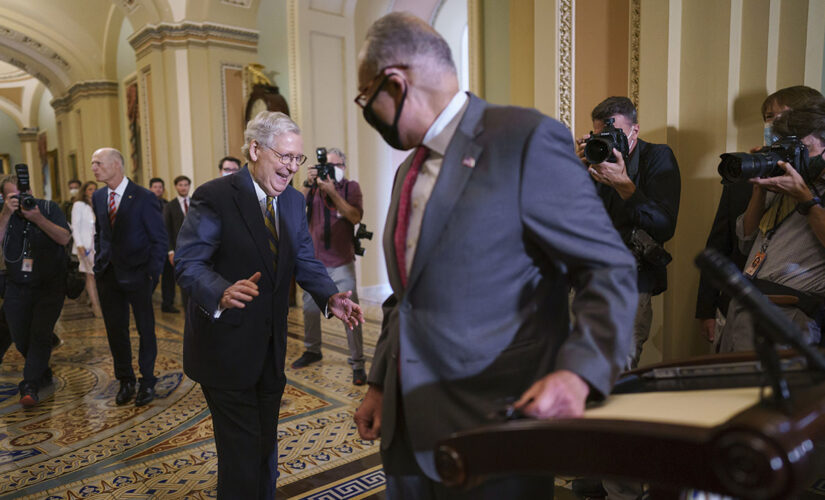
<point x="28" y="134"/>
<point x="186" y="33"/>
<point x="84" y="90"/>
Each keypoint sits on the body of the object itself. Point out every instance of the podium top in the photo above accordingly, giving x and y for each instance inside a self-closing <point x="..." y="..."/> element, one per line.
<point x="694" y="408"/>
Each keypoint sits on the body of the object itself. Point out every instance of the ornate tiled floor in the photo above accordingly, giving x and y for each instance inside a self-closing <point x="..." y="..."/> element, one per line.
<point x="78" y="444"/>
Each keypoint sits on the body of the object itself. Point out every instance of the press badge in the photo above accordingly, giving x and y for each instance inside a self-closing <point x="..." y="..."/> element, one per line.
<point x="28" y="265"/>
<point x="755" y="264"/>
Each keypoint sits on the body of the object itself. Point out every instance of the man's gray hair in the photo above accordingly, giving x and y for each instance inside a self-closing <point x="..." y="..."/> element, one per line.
<point x="336" y="151"/>
<point x="400" y="38"/>
<point x="266" y="126"/>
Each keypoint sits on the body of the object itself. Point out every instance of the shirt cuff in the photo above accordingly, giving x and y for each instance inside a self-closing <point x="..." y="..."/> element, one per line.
<point x="171" y="252"/>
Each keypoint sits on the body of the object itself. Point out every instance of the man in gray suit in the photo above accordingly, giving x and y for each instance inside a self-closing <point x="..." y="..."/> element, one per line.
<point x="490" y="221"/>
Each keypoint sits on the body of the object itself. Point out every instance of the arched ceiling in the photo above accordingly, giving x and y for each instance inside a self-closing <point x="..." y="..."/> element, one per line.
<point x="64" y="42"/>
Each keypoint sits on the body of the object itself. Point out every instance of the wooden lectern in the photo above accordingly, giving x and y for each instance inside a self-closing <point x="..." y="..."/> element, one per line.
<point x="728" y="437"/>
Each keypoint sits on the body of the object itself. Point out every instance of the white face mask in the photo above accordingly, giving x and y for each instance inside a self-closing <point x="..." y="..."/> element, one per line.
<point x="339" y="174"/>
<point x="224" y="173"/>
<point x="74" y="191"/>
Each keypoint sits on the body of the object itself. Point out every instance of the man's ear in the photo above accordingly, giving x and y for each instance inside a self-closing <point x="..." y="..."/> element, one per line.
<point x="253" y="150"/>
<point x="635" y="128"/>
<point x="395" y="86"/>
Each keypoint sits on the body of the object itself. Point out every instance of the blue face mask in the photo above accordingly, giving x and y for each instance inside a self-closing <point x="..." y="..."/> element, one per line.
<point x="768" y="136"/>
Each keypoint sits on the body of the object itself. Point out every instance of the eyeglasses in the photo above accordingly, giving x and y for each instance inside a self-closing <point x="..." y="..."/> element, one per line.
<point x="286" y="159"/>
<point x="363" y="98"/>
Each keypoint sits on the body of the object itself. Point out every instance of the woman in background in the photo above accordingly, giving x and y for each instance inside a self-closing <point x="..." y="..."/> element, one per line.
<point x="83" y="233"/>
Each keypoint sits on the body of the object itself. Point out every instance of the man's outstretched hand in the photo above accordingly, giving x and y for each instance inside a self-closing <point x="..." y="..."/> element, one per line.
<point x="345" y="309"/>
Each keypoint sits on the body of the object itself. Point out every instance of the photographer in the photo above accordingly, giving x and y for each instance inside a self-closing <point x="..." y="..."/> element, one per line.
<point x="334" y="207"/>
<point x="711" y="304"/>
<point x="783" y="233"/>
<point x="640" y="189"/>
<point x="34" y="233"/>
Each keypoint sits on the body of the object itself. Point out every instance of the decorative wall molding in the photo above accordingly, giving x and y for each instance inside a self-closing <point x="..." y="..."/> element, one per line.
<point x="331" y="7"/>
<point x="28" y="134"/>
<point x="129" y="5"/>
<point x="167" y="34"/>
<point x="225" y="121"/>
<point x="23" y="66"/>
<point x="84" y="90"/>
<point x="292" y="32"/>
<point x="635" y="45"/>
<point x="238" y="3"/>
<point x="567" y="56"/>
<point x="32" y="44"/>
<point x="144" y="96"/>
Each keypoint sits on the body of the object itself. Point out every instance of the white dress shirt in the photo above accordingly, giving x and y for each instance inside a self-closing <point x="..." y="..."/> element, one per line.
<point x="119" y="190"/>
<point x="437" y="139"/>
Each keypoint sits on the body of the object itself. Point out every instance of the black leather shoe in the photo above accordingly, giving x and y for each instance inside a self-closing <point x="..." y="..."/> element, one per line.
<point x="169" y="309"/>
<point x="127" y="390"/>
<point x="145" y="395"/>
<point x="359" y="376"/>
<point x="307" y="358"/>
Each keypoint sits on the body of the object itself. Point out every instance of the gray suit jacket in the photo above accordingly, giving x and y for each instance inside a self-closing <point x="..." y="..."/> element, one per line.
<point x="485" y="310"/>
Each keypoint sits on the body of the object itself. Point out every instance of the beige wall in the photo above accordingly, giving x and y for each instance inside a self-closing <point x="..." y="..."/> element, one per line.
<point x="602" y="54"/>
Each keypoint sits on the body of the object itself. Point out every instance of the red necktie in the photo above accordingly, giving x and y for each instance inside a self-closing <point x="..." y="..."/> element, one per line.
<point x="185" y="206"/>
<point x="404" y="205"/>
<point x="112" y="208"/>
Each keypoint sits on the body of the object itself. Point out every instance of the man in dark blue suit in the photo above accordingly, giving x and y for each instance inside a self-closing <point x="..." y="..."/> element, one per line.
<point x="130" y="247"/>
<point x="243" y="239"/>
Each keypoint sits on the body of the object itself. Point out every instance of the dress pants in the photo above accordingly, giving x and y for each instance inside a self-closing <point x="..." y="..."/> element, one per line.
<point x="31" y="312"/>
<point x="5" y="334"/>
<point x="641" y="330"/>
<point x="115" y="301"/>
<point x="245" y="424"/>
<point x="406" y="480"/>
<point x="167" y="284"/>
<point x="344" y="278"/>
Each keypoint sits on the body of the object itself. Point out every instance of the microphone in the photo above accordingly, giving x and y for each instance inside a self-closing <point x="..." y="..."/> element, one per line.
<point x="726" y="276"/>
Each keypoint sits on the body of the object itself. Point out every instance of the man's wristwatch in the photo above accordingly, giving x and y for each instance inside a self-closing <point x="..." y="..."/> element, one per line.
<point x="804" y="207"/>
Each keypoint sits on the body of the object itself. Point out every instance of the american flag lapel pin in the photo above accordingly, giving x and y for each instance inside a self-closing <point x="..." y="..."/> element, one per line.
<point x="469" y="162"/>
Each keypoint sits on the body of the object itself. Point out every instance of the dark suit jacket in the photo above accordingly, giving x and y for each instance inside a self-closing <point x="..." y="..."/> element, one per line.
<point x="513" y="219"/>
<point x="722" y="237"/>
<point x="223" y="240"/>
<point x="173" y="219"/>
<point x="137" y="246"/>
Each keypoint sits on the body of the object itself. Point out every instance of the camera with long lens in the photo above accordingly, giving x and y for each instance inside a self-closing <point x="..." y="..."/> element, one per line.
<point x="27" y="201"/>
<point x="325" y="170"/>
<point x="599" y="147"/>
<point x="739" y="167"/>
<point x="360" y="234"/>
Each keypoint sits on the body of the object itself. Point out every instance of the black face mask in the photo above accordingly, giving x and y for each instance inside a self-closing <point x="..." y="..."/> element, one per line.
<point x="387" y="131"/>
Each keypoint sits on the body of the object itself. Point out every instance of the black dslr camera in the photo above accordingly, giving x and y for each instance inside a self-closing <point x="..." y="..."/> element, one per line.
<point x="646" y="249"/>
<point x="27" y="201"/>
<point x="739" y="167"/>
<point x="599" y="147"/>
<point x="360" y="234"/>
<point x="325" y="170"/>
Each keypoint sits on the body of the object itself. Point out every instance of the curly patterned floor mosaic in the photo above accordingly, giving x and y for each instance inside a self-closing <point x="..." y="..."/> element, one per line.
<point x="78" y="444"/>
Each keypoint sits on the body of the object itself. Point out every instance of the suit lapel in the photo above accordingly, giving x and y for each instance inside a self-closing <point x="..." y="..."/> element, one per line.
<point x="126" y="203"/>
<point x="456" y="168"/>
<point x="247" y="202"/>
<point x="389" y="226"/>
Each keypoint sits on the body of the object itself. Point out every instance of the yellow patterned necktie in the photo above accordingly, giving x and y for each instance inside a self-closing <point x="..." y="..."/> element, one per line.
<point x="781" y="207"/>
<point x="269" y="220"/>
